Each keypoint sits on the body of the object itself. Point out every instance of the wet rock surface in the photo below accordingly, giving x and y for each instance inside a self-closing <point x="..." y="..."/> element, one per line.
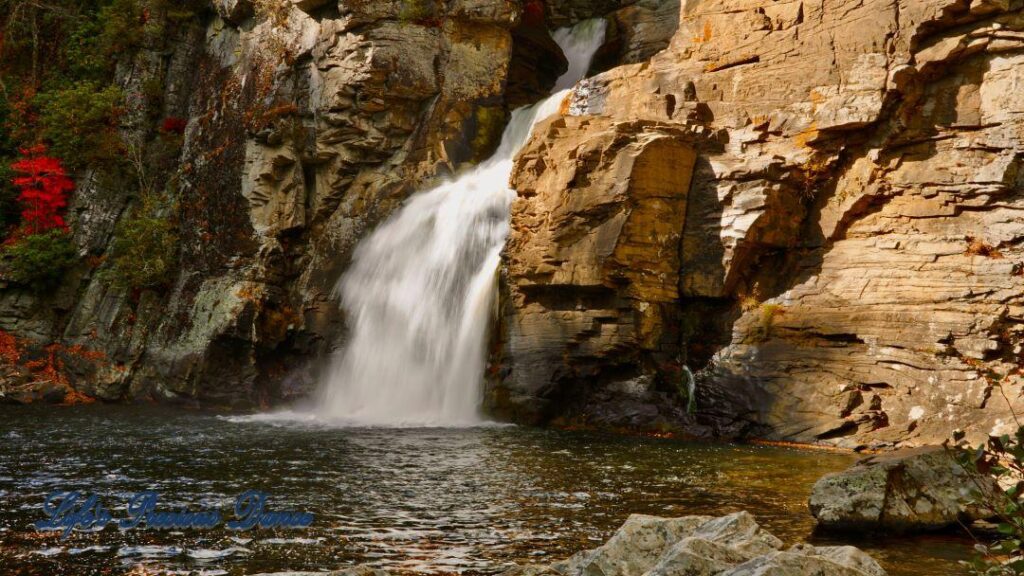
<point x="906" y="490"/>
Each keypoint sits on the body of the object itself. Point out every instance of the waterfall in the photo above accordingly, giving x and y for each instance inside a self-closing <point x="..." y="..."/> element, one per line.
<point x="420" y="291"/>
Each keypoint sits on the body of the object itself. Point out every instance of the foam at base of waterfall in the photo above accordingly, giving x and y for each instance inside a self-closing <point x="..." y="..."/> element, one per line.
<point x="312" y="419"/>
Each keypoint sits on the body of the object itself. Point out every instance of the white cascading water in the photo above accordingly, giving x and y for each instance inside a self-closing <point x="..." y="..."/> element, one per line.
<point x="420" y="291"/>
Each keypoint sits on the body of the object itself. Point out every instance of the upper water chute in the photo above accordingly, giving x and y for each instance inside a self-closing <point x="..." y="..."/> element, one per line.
<point x="420" y="289"/>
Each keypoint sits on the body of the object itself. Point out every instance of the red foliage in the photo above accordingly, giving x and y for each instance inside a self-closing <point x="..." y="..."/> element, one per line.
<point x="172" y="125"/>
<point x="534" y="12"/>
<point x="44" y="189"/>
<point x="16" y="235"/>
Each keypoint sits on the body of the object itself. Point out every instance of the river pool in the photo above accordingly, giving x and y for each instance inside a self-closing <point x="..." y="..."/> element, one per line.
<point x="472" y="500"/>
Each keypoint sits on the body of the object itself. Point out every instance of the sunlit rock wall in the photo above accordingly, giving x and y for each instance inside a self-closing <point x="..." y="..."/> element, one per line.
<point x="593" y="262"/>
<point x="850" y="256"/>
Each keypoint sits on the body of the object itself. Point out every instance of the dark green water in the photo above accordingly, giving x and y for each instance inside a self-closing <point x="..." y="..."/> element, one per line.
<point x="415" y="500"/>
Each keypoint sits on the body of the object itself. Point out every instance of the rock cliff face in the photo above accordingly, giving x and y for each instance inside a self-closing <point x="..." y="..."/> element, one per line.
<point x="829" y="197"/>
<point x="308" y="122"/>
<point x="813" y="205"/>
<point x="602" y="293"/>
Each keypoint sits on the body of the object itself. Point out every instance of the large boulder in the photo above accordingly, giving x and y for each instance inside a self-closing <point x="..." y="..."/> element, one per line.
<point x="917" y="489"/>
<point x="635" y="548"/>
<point x="732" y="545"/>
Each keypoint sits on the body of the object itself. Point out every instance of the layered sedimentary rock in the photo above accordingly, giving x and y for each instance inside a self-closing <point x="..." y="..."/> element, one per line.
<point x="600" y="296"/>
<point x="849" y="269"/>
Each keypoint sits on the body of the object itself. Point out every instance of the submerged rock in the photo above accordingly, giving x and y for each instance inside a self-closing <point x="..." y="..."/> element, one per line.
<point x="918" y="489"/>
<point x="733" y="545"/>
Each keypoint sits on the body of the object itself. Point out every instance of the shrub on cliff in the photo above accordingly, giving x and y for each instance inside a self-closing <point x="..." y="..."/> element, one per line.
<point x="40" y="250"/>
<point x="80" y="122"/>
<point x="145" y="248"/>
<point x="1001" y="457"/>
<point x="39" y="261"/>
<point x="86" y="52"/>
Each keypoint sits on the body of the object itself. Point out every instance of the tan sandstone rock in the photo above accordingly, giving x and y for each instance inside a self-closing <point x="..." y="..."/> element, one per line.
<point x="850" y="258"/>
<point x="593" y="255"/>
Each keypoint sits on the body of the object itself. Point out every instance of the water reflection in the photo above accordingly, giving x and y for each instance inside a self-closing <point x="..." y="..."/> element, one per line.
<point x="425" y="500"/>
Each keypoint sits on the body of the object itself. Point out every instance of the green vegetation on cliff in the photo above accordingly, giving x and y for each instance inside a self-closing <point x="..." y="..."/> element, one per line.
<point x="145" y="246"/>
<point x="60" y="88"/>
<point x="39" y="261"/>
<point x="80" y="122"/>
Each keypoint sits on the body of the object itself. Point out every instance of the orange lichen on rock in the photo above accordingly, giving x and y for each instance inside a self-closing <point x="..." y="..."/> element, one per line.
<point x="566" y="105"/>
<point x="978" y="247"/>
<point x="705" y="35"/>
<point x="805" y="137"/>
